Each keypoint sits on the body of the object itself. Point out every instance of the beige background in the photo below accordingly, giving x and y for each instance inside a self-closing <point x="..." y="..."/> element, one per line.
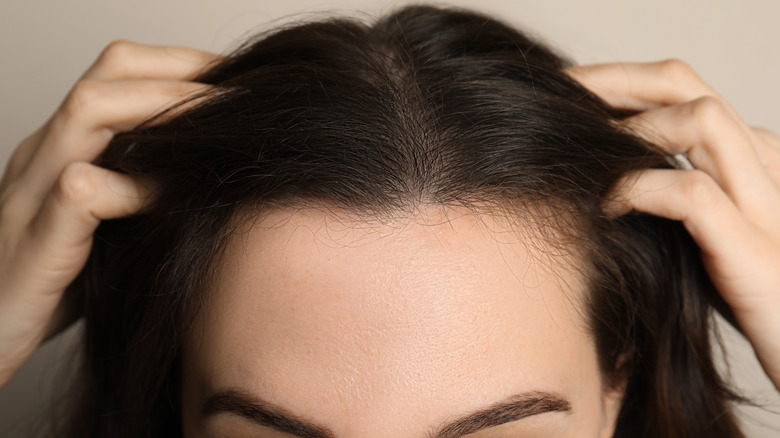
<point x="45" y="45"/>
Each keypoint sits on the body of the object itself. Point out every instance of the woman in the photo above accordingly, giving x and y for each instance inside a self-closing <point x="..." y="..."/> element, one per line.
<point x="423" y="226"/>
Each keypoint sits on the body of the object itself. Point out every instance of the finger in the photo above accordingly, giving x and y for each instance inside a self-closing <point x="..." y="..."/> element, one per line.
<point x="53" y="249"/>
<point x="89" y="118"/>
<point x="123" y="60"/>
<point x="714" y="142"/>
<point x="693" y="198"/>
<point x="737" y="252"/>
<point x="647" y="86"/>
<point x="61" y="232"/>
<point x="84" y="195"/>
<point x="642" y="86"/>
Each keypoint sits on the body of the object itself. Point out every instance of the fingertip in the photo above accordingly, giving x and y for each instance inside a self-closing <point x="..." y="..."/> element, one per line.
<point x="617" y="201"/>
<point x="579" y="73"/>
<point x="615" y="208"/>
<point x="573" y="70"/>
<point x="125" y="196"/>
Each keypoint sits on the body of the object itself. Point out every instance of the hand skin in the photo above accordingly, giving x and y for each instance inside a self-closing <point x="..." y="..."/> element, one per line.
<point x="730" y="203"/>
<point x="52" y="198"/>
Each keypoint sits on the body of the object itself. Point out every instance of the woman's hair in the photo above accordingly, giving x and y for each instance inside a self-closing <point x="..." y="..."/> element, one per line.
<point x="424" y="106"/>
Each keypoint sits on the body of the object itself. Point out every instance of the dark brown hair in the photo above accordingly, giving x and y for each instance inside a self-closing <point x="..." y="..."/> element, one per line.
<point x="426" y="105"/>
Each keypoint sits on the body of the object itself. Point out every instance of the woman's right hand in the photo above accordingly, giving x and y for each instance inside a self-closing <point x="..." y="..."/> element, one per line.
<point x="52" y="198"/>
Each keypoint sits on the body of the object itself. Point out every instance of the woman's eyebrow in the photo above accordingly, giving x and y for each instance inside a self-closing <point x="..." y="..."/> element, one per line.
<point x="514" y="408"/>
<point x="263" y="413"/>
<point x="266" y="414"/>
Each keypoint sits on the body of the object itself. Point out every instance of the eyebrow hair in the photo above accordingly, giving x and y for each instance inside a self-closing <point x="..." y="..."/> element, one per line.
<point x="512" y="409"/>
<point x="266" y="414"/>
<point x="263" y="413"/>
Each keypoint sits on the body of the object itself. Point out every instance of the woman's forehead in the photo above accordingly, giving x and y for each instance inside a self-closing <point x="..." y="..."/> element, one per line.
<point x="403" y="268"/>
<point x="310" y="290"/>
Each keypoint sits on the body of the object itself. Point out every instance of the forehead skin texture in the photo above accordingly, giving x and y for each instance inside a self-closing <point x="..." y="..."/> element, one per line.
<point x="390" y="330"/>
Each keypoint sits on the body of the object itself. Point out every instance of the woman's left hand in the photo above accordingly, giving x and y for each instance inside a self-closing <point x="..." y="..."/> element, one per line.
<point x="730" y="203"/>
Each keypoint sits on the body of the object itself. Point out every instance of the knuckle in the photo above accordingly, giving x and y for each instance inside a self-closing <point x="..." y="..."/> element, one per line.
<point x="115" y="54"/>
<point x="77" y="184"/>
<point x="699" y="188"/>
<point x="678" y="69"/>
<point x="82" y="96"/>
<point x="680" y="74"/>
<point x="708" y="111"/>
